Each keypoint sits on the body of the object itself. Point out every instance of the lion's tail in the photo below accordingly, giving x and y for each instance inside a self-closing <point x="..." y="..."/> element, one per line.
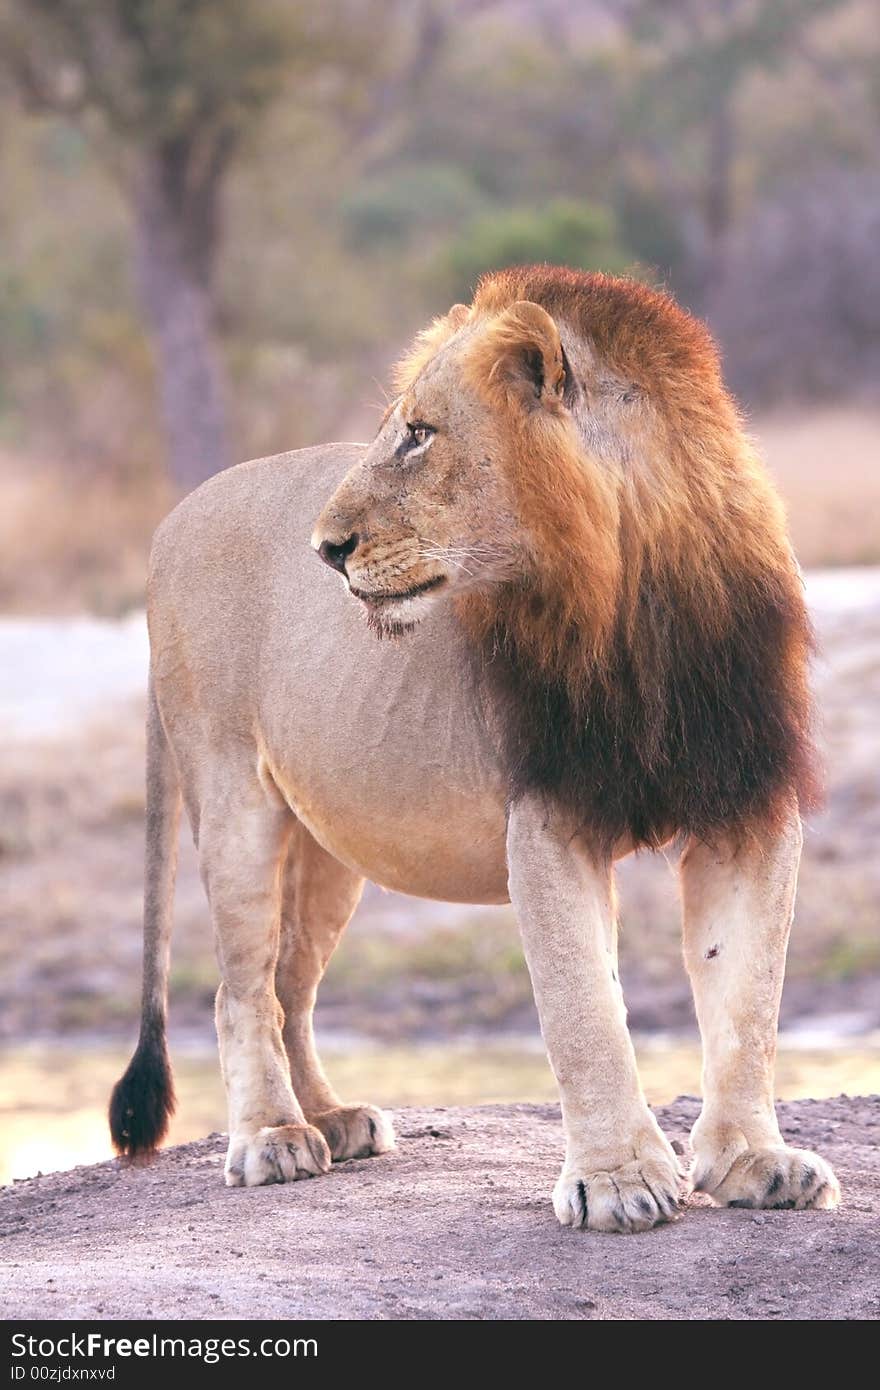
<point x="143" y="1100"/>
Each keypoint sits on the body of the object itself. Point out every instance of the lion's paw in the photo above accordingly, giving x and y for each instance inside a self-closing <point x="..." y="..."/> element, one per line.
<point x="625" y="1200"/>
<point x="283" y="1153"/>
<point x="355" y="1131"/>
<point x="773" y="1178"/>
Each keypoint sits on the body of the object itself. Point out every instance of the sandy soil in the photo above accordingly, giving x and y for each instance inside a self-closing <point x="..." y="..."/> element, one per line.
<point x="455" y="1224"/>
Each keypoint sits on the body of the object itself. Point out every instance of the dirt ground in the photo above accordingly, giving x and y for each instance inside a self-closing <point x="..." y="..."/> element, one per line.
<point x="456" y="1223"/>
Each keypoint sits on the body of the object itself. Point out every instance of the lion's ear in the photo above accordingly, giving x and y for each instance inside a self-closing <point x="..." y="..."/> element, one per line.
<point x="458" y="316"/>
<point x="521" y="351"/>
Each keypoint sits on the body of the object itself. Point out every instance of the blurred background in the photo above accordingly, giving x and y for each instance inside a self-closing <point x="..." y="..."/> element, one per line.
<point x="219" y="225"/>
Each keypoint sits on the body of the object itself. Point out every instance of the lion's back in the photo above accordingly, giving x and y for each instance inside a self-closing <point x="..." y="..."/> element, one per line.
<point x="230" y="557"/>
<point x="241" y="518"/>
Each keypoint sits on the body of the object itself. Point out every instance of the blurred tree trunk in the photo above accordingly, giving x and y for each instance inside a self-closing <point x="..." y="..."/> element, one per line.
<point x="165" y="93"/>
<point x="175" y="249"/>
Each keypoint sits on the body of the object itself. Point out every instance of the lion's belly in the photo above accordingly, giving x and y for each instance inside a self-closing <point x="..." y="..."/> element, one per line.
<point x="465" y="862"/>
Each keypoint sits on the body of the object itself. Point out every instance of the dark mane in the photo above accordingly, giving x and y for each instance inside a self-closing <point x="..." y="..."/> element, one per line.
<point x="681" y="733"/>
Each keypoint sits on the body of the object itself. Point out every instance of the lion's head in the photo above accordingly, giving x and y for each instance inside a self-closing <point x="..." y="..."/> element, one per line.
<point x="476" y="464"/>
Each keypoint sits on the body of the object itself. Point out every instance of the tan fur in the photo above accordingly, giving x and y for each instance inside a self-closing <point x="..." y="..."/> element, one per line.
<point x="581" y="443"/>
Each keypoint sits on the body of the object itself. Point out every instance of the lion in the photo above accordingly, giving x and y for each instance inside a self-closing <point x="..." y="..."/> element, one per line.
<point x="599" y="644"/>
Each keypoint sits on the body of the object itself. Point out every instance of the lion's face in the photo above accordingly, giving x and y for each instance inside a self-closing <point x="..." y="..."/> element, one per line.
<point x="464" y="485"/>
<point x="428" y="511"/>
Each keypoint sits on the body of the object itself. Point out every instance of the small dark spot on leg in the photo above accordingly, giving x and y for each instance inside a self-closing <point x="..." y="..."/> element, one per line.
<point x="742" y="1202"/>
<point x="371" y="1124"/>
<point x="808" y="1178"/>
<point x="644" y="1205"/>
<point x="712" y="952"/>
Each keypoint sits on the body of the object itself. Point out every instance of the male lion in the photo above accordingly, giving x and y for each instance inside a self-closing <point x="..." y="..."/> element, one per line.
<point x="605" y="648"/>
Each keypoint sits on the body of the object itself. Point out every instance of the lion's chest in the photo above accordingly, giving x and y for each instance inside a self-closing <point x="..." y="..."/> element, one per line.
<point x="381" y="750"/>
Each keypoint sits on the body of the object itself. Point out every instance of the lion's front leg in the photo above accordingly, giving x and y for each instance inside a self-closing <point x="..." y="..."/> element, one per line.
<point x="620" y="1173"/>
<point x="738" y="905"/>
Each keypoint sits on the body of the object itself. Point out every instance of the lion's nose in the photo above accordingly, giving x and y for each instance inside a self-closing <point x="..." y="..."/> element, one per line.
<point x="335" y="553"/>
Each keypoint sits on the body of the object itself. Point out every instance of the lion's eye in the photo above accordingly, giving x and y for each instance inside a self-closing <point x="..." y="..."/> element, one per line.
<point x="419" y="433"/>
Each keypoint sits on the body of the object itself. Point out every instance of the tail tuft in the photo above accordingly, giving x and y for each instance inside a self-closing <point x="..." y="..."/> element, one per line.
<point x="143" y="1101"/>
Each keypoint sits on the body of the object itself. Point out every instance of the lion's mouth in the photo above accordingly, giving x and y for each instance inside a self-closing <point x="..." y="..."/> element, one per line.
<point x="393" y="615"/>
<point x="382" y="599"/>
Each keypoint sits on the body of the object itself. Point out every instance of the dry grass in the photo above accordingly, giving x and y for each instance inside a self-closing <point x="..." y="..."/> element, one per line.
<point x="827" y="466"/>
<point x="72" y="540"/>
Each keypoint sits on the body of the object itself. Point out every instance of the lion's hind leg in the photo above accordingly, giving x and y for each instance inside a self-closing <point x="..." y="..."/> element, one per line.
<point x="738" y="904"/>
<point x="318" y="900"/>
<point x="243" y="833"/>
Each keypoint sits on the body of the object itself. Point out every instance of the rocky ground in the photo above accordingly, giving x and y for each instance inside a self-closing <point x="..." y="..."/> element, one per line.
<point x="456" y="1223"/>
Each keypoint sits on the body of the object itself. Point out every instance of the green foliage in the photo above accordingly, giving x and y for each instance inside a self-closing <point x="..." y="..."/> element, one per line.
<point x="848" y="957"/>
<point x="195" y="61"/>
<point x="153" y="69"/>
<point x="650" y="228"/>
<point x="409" y="201"/>
<point x="687" y="66"/>
<point x="488" y="948"/>
<point x="563" y="232"/>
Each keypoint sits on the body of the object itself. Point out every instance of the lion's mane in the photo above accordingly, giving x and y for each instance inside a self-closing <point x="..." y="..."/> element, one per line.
<point x="651" y="663"/>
